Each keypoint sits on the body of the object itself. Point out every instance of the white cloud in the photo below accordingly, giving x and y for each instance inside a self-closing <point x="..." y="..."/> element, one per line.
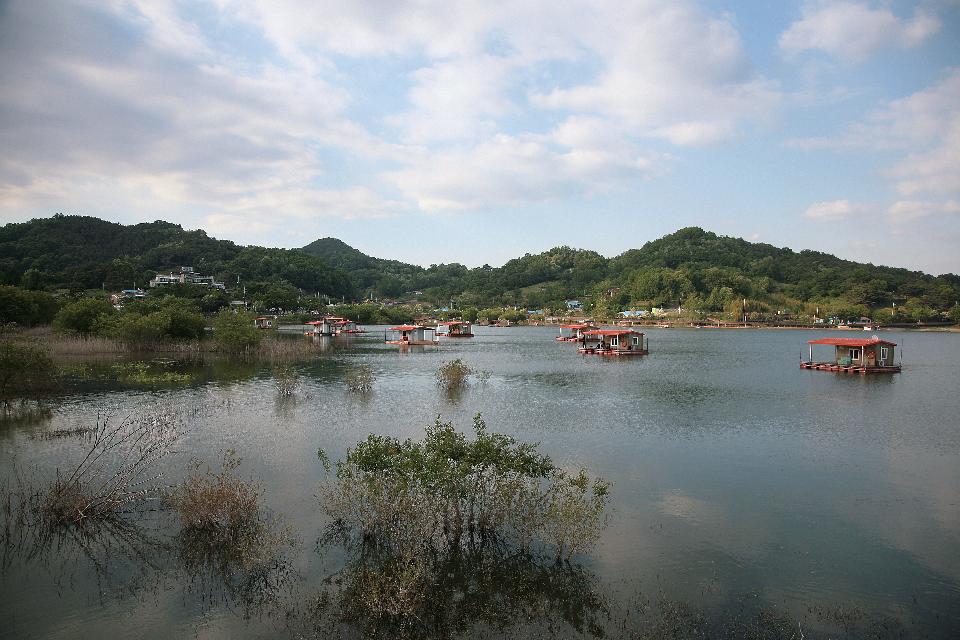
<point x="925" y="125"/>
<point x="854" y="30"/>
<point x="457" y="99"/>
<point x="147" y="128"/>
<point x="505" y="103"/>
<point x="833" y="210"/>
<point x="507" y="170"/>
<point x="669" y="71"/>
<point x="911" y="210"/>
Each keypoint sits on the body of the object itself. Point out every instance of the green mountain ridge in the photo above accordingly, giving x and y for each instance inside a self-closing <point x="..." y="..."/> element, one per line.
<point x="691" y="267"/>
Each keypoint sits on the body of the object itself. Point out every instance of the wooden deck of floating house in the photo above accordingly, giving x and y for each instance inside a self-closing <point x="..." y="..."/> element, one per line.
<point x="613" y="342"/>
<point x="855" y="355"/>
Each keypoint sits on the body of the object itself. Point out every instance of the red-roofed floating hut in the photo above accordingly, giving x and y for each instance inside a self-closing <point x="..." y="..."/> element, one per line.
<point x="855" y="355"/>
<point x="344" y="325"/>
<point x="455" y="329"/>
<point x="573" y="332"/>
<point x="410" y="334"/>
<point x="613" y="342"/>
<point x="319" y="328"/>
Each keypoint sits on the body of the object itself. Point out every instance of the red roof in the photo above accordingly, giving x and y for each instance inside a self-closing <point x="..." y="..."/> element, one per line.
<point x="575" y="326"/>
<point x="453" y="323"/>
<point x="611" y="332"/>
<point x="313" y="322"/>
<point x="852" y="342"/>
<point x="405" y="327"/>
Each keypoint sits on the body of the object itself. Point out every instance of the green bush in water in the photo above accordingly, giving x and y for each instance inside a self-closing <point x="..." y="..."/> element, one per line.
<point x="446" y="492"/>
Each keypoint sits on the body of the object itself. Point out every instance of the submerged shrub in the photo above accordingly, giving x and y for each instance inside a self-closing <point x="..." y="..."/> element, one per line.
<point x="359" y="379"/>
<point x="217" y="500"/>
<point x="228" y="541"/>
<point x="120" y="467"/>
<point x="453" y="375"/>
<point x="287" y="381"/>
<point x="448" y="491"/>
<point x="448" y="529"/>
<point x="140" y="373"/>
<point x="24" y="366"/>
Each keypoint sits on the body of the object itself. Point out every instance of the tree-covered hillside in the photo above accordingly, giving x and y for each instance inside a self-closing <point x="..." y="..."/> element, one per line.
<point x="700" y="271"/>
<point x="80" y="252"/>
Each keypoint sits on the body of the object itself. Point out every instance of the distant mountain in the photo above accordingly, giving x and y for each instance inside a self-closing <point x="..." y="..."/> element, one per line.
<point x="692" y="267"/>
<point x="82" y="252"/>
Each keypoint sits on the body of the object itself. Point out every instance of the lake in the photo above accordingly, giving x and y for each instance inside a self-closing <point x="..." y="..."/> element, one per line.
<point x="739" y="480"/>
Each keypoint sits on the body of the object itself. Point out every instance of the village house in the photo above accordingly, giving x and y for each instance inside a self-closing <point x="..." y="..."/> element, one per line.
<point x="186" y="275"/>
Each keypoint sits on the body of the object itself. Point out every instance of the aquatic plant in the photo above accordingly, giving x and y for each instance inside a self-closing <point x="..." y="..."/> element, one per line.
<point x="453" y="375"/>
<point x="287" y="381"/>
<point x="427" y="520"/>
<point x="25" y="366"/>
<point x="216" y="500"/>
<point x="448" y="491"/>
<point x="227" y="539"/>
<point x="24" y="413"/>
<point x="120" y="467"/>
<point x="140" y="373"/>
<point x="359" y="379"/>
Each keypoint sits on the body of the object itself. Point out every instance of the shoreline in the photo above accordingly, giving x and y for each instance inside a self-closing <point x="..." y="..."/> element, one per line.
<point x="924" y="329"/>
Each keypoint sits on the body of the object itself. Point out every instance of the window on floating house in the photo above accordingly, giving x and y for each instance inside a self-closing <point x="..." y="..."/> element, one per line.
<point x="854" y="354"/>
<point x="614" y="341"/>
<point x="884" y="353"/>
<point x="635" y="340"/>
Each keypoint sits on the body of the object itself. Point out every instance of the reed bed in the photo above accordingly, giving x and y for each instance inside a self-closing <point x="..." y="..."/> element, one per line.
<point x="271" y="348"/>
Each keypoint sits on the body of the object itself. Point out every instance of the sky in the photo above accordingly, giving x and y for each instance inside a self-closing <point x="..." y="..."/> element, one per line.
<point x="476" y="132"/>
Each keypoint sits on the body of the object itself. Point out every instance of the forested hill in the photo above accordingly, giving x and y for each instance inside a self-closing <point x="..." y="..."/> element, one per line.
<point x="80" y="252"/>
<point x="386" y="277"/>
<point x="692" y="267"/>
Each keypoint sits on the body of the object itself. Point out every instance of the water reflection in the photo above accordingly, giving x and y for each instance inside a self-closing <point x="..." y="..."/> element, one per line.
<point x="18" y="414"/>
<point x="380" y="594"/>
<point x="250" y="569"/>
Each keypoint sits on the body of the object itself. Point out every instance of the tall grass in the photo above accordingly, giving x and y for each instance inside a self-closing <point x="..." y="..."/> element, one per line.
<point x="272" y="348"/>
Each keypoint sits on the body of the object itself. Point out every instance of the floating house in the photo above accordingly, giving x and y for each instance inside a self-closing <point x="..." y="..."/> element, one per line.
<point x="319" y="328"/>
<point x="410" y="334"/>
<point x="343" y="325"/>
<point x="573" y="332"/>
<point x="855" y="355"/>
<point x="613" y="342"/>
<point x="264" y="322"/>
<point x="332" y="326"/>
<point x="455" y="329"/>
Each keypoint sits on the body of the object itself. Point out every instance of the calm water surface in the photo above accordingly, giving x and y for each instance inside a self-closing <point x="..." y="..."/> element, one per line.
<point x="737" y="475"/>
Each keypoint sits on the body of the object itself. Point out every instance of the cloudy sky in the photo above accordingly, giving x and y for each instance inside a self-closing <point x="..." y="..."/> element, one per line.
<point x="478" y="131"/>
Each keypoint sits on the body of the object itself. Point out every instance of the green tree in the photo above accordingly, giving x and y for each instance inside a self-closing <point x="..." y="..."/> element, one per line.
<point x="83" y="316"/>
<point x="26" y="308"/>
<point x="235" y="332"/>
<point x="32" y="279"/>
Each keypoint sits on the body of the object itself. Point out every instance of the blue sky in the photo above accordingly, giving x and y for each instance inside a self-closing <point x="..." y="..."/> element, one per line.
<point x="479" y="131"/>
